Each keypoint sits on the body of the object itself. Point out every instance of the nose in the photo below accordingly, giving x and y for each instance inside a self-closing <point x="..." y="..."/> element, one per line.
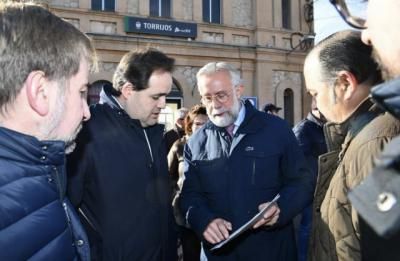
<point x="215" y="103"/>
<point x="86" y="111"/>
<point x="365" y="36"/>
<point x="162" y="101"/>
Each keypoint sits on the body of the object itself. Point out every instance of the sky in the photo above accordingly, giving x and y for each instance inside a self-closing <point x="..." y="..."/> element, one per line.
<point x="328" y="21"/>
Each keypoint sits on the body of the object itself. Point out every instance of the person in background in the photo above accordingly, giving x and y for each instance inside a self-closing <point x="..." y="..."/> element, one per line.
<point x="310" y="136"/>
<point x="339" y="73"/>
<point x="271" y="108"/>
<point x="194" y="120"/>
<point x="377" y="198"/>
<point x="178" y="131"/>
<point x="44" y="70"/>
<point x="119" y="172"/>
<point x="235" y="165"/>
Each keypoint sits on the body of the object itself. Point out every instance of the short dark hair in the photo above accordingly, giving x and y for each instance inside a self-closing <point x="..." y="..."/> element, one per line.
<point x="194" y="111"/>
<point x="136" y="67"/>
<point x="345" y="51"/>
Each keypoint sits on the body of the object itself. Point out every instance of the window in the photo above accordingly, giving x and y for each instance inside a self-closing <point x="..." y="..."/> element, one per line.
<point x="160" y="8"/>
<point x="286" y="14"/>
<point x="103" y="5"/>
<point x="212" y="11"/>
<point x="288" y="106"/>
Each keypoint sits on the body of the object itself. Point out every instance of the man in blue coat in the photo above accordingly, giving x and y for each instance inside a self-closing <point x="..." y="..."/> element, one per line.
<point x="44" y="69"/>
<point x="118" y="172"/>
<point x="235" y="165"/>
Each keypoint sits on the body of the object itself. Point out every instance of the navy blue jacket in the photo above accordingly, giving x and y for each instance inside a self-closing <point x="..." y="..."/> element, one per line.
<point x="310" y="136"/>
<point x="37" y="222"/>
<point x="122" y="194"/>
<point x="230" y="183"/>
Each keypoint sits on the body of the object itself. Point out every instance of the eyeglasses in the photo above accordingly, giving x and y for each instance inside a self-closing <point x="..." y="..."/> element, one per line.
<point x="221" y="97"/>
<point x="347" y="10"/>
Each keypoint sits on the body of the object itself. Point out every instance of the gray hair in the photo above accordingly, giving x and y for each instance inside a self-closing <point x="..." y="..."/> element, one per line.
<point x="213" y="67"/>
<point x="32" y="38"/>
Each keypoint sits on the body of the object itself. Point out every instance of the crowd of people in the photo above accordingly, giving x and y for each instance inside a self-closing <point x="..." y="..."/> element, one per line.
<point x="108" y="183"/>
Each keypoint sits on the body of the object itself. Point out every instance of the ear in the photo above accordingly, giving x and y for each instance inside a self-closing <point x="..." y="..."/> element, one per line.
<point x="127" y="90"/>
<point x="239" y="90"/>
<point x="37" y="92"/>
<point x="347" y="83"/>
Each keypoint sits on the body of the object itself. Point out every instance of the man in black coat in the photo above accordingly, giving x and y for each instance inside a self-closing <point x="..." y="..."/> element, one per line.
<point x="178" y="131"/>
<point x="118" y="173"/>
<point x="377" y="198"/>
<point x="310" y="135"/>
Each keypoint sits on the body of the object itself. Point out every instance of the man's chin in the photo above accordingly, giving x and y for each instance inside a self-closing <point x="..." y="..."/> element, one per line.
<point x="221" y="121"/>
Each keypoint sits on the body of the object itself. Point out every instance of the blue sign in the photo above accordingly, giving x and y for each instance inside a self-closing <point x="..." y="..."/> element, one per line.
<point x="160" y="27"/>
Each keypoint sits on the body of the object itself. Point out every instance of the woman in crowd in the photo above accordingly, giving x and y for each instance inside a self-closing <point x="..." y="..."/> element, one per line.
<point x="196" y="118"/>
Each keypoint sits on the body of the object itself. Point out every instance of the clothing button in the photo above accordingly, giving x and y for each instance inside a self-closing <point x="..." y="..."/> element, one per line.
<point x="49" y="179"/>
<point x="79" y="242"/>
<point x="44" y="147"/>
<point x="386" y="201"/>
<point x="43" y="158"/>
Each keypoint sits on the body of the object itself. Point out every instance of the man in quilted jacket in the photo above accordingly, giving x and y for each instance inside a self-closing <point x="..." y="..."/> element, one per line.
<point x="44" y="69"/>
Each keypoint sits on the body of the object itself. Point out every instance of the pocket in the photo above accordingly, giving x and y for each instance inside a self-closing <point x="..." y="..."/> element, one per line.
<point x="264" y="169"/>
<point x="212" y="174"/>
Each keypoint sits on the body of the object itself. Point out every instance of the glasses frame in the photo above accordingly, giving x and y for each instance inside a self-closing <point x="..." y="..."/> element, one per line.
<point x="214" y="97"/>
<point x="341" y="7"/>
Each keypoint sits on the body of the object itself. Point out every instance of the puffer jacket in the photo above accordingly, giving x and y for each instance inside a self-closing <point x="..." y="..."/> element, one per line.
<point x="37" y="222"/>
<point x="352" y="148"/>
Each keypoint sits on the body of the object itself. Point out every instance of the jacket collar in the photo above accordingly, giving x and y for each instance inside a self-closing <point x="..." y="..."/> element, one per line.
<point x="107" y="96"/>
<point x="28" y="149"/>
<point x="311" y="117"/>
<point x="339" y="135"/>
<point x="387" y="96"/>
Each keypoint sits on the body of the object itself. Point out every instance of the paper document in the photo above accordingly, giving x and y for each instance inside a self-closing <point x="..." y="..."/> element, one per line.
<point x="248" y="225"/>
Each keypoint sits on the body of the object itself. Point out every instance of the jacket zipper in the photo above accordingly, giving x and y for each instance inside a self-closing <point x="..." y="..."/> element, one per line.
<point x="253" y="175"/>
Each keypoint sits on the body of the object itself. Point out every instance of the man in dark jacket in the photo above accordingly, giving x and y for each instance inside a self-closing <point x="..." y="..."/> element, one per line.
<point x="119" y="173"/>
<point x="377" y="198"/>
<point x="178" y="131"/>
<point x="234" y="165"/>
<point x="310" y="135"/>
<point x="43" y="84"/>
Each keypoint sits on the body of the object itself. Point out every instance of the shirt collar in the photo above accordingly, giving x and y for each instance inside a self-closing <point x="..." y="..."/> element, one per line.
<point x="240" y="117"/>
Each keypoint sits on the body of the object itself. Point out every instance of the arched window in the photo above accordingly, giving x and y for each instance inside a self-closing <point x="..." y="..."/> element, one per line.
<point x="288" y="105"/>
<point x="174" y="102"/>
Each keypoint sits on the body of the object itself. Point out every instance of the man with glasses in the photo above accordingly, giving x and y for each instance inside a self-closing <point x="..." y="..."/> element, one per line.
<point x="377" y="199"/>
<point x="234" y="165"/>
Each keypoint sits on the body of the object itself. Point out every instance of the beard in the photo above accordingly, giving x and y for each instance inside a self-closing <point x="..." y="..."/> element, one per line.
<point x="49" y="129"/>
<point x="386" y="73"/>
<point x="228" y="117"/>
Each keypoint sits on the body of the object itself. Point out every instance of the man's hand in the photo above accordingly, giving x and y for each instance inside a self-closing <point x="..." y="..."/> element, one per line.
<point x="270" y="216"/>
<point x="217" y="230"/>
